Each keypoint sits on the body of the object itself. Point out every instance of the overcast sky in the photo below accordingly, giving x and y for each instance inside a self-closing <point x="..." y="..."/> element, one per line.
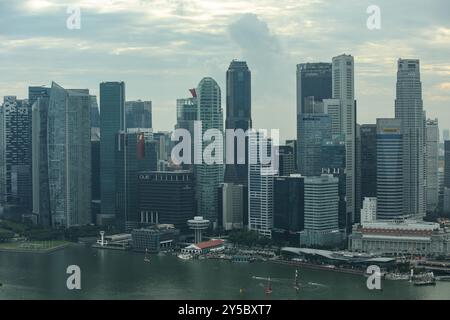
<point x="161" y="48"/>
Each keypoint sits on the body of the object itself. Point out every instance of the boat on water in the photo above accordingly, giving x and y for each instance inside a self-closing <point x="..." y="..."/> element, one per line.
<point x="146" y="257"/>
<point x="396" y="276"/>
<point x="424" y="279"/>
<point x="184" y="256"/>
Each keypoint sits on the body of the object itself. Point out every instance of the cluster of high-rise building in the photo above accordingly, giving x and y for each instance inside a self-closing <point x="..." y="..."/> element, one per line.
<point x="64" y="162"/>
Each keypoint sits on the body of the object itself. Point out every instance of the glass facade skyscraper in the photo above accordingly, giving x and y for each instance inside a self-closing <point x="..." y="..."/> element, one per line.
<point x="112" y="120"/>
<point x="389" y="169"/>
<point x="238" y="111"/>
<point x="69" y="156"/>
<point x="138" y="114"/>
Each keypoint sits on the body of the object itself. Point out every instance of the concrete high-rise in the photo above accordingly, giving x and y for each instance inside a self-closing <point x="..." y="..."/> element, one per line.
<point x="389" y="169"/>
<point x="344" y="89"/>
<point x="238" y="115"/>
<point x="209" y="176"/>
<point x="69" y="156"/>
<point x="15" y="154"/>
<point x="432" y="165"/>
<point x="112" y="120"/>
<point x="409" y="109"/>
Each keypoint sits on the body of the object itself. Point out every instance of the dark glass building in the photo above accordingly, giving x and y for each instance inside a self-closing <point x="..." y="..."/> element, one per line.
<point x="238" y="115"/>
<point x="315" y="129"/>
<point x="447" y="164"/>
<point x="368" y="160"/>
<point x="288" y="208"/>
<point x="135" y="152"/>
<point x="167" y="197"/>
<point x="112" y="101"/>
<point x="286" y="160"/>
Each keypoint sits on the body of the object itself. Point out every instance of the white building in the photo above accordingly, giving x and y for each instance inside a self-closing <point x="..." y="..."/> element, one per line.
<point x="432" y="165"/>
<point x="209" y="176"/>
<point x="344" y="89"/>
<point x="369" y="210"/>
<point x="321" y="211"/>
<point x="400" y="238"/>
<point x="332" y="107"/>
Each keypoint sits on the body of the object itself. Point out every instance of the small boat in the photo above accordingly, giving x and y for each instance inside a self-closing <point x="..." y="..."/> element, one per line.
<point x="146" y="257"/>
<point x="184" y="256"/>
<point x="268" y="289"/>
<point x="397" y="276"/>
<point x="424" y="279"/>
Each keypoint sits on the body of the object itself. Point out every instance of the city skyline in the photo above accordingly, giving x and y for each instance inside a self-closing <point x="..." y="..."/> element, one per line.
<point x="153" y="52"/>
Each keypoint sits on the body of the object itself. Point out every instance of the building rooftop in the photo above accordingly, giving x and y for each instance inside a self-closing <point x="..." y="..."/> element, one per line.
<point x="207" y="244"/>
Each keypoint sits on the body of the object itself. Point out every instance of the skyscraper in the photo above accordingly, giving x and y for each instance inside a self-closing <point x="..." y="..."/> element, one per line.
<point x="389" y="169"/>
<point x="260" y="187"/>
<point x="166" y="197"/>
<point x="286" y="160"/>
<point x="313" y="86"/>
<point x="112" y="102"/>
<point x="409" y="109"/>
<point x="69" y="156"/>
<point x="238" y="111"/>
<point x="15" y="154"/>
<point x="447" y="164"/>
<point x="209" y="176"/>
<point x="138" y="114"/>
<point x="321" y="211"/>
<point x="135" y="151"/>
<point x="41" y="191"/>
<point x="232" y="206"/>
<point x="288" y="207"/>
<point x="187" y="113"/>
<point x="314" y="130"/>
<point x="344" y="90"/>
<point x="95" y="114"/>
<point x="368" y="160"/>
<point x="432" y="165"/>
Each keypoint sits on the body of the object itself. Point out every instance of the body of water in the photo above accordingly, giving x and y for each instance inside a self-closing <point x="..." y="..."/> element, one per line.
<point x="107" y="274"/>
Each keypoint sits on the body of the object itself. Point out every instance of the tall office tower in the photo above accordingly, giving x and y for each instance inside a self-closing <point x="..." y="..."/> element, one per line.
<point x="409" y="109"/>
<point x="314" y="130"/>
<point x="209" y="176"/>
<point x="232" y="206"/>
<point x="95" y="165"/>
<point x="69" y="156"/>
<point x="313" y="85"/>
<point x="389" y="169"/>
<point x="239" y="116"/>
<point x="332" y="107"/>
<point x="95" y="114"/>
<point x="432" y="165"/>
<point x="187" y="110"/>
<point x="166" y="197"/>
<point x="344" y="90"/>
<point x="286" y="160"/>
<point x="15" y="154"/>
<point x="368" y="160"/>
<point x="138" y="114"/>
<point x="135" y="151"/>
<point x="446" y="191"/>
<point x="446" y="134"/>
<point x="260" y="186"/>
<point x="112" y="102"/>
<point x="288" y="207"/>
<point x="358" y="175"/>
<point x="333" y="162"/>
<point x="36" y="92"/>
<point x="40" y="183"/>
<point x="447" y="164"/>
<point x="321" y="212"/>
